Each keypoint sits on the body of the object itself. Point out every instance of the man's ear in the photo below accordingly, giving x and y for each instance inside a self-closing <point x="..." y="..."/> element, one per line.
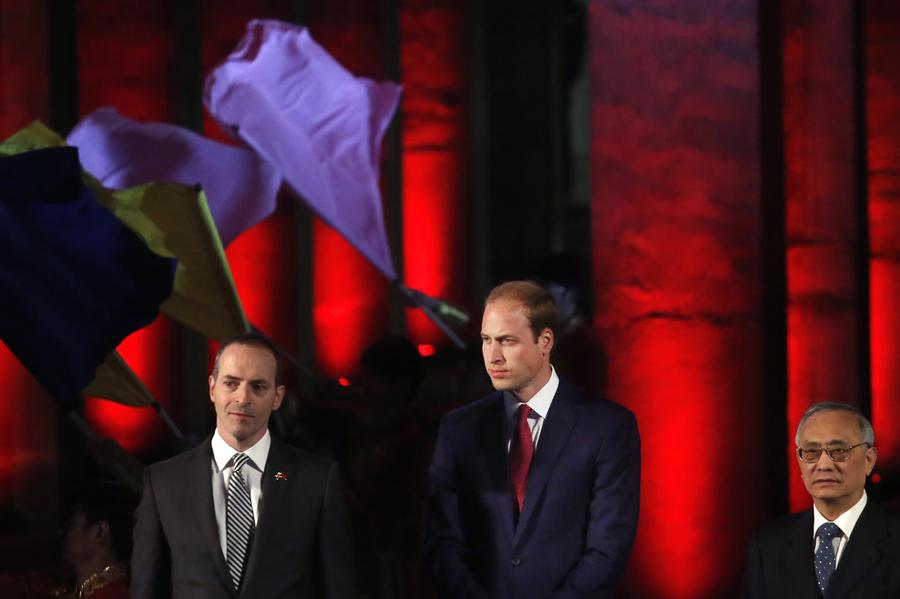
<point x="279" y="396"/>
<point x="871" y="458"/>
<point x="212" y="385"/>
<point x="546" y="340"/>
<point x="102" y="530"/>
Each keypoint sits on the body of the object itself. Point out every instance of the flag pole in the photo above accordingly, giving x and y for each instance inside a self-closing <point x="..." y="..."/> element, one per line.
<point x="435" y="309"/>
<point x="122" y="464"/>
<point x="167" y="419"/>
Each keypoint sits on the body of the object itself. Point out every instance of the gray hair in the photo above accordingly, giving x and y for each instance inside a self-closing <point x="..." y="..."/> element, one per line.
<point x="865" y="427"/>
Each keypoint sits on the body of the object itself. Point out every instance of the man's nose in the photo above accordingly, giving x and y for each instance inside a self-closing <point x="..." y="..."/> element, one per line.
<point x="825" y="462"/>
<point x="241" y="395"/>
<point x="496" y="353"/>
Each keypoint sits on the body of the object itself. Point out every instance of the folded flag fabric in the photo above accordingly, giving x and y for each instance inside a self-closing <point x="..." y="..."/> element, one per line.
<point x="321" y="126"/>
<point x="240" y="187"/>
<point x="174" y="221"/>
<point x="74" y="280"/>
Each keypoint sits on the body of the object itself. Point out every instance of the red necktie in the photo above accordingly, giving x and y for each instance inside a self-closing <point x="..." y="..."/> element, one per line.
<point x="520" y="454"/>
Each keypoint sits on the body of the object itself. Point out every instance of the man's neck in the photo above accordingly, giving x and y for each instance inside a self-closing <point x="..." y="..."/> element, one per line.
<point x="832" y="510"/>
<point x="526" y="393"/>
<point x="240" y="445"/>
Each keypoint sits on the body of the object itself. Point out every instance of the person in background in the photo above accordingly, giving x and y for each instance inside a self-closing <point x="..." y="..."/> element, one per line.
<point x="97" y="543"/>
<point x="846" y="545"/>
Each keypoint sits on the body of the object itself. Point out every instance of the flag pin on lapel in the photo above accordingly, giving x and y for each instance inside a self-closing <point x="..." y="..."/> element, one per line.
<point x="280" y="476"/>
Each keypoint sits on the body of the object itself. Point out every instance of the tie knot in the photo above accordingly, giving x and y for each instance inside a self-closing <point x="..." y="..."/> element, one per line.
<point x="828" y="531"/>
<point x="524" y="412"/>
<point x="238" y="461"/>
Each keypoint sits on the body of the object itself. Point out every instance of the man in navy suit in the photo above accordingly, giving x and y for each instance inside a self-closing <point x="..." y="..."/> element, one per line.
<point x="534" y="488"/>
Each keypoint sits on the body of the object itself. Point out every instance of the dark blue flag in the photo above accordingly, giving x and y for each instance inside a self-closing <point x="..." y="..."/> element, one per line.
<point x="74" y="280"/>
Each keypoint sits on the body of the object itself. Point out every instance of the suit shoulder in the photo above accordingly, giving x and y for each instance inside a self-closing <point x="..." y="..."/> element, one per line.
<point x="180" y="462"/>
<point x="471" y="413"/>
<point x="297" y="455"/>
<point x="590" y="404"/>
<point x="780" y="527"/>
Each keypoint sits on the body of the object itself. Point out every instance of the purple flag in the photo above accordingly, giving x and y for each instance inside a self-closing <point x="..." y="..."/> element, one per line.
<point x="321" y="126"/>
<point x="240" y="187"/>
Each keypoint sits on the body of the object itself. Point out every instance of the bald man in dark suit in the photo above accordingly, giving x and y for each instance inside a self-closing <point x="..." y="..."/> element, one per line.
<point x="243" y="514"/>
<point x="846" y="546"/>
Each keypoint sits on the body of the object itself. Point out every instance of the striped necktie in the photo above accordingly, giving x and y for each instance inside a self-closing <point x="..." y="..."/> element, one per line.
<point x="239" y="523"/>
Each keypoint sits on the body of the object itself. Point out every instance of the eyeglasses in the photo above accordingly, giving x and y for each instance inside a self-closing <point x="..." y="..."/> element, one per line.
<point x="838" y="453"/>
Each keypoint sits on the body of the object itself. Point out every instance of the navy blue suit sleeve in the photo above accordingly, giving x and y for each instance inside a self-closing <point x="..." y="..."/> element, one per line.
<point x="613" y="514"/>
<point x="453" y="578"/>
<point x="151" y="562"/>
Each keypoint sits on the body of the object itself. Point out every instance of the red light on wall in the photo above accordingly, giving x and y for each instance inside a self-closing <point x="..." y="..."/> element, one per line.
<point x="426" y="350"/>
<point x="435" y="173"/>
<point x="876" y="478"/>
<point x="883" y="153"/>
<point x="676" y="240"/>
<point x="28" y="446"/>
<point x="350" y="297"/>
<point x="139" y="429"/>
<point x="23" y="65"/>
<point x="343" y="382"/>
<point x="818" y="125"/>
<point x="349" y="302"/>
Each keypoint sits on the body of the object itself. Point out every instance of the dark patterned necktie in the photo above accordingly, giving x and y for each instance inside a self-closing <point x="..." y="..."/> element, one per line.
<point x="520" y="454"/>
<point x="825" y="557"/>
<point x="239" y="523"/>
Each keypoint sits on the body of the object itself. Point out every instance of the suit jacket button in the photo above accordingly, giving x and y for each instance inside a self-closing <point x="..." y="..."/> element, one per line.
<point x="516" y="561"/>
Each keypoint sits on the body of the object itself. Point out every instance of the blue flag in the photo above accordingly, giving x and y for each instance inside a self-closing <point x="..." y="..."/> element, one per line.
<point x="74" y="280"/>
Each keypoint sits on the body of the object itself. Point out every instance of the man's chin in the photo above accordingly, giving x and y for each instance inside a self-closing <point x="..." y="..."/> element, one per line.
<point x="501" y="384"/>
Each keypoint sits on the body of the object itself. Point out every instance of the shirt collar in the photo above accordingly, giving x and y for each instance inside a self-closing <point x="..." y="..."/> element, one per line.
<point x="223" y="452"/>
<point x="539" y="403"/>
<point x="846" y="521"/>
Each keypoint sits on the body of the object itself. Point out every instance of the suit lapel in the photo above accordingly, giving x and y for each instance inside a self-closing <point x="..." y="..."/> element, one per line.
<point x="271" y="498"/>
<point x="205" y="510"/>
<point x="492" y="435"/>
<point x="553" y="438"/>
<point x="797" y="558"/>
<point x="861" y="552"/>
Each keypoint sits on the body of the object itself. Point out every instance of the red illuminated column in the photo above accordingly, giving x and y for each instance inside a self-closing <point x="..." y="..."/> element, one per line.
<point x="822" y="320"/>
<point x="435" y="231"/>
<point x="675" y="213"/>
<point x="883" y="131"/>
<point x="23" y="65"/>
<point x="28" y="444"/>
<point x="263" y="259"/>
<point x="350" y="296"/>
<point x="124" y="60"/>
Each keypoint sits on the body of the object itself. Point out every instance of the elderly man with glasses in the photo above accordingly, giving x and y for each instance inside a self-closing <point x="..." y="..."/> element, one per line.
<point x="846" y="545"/>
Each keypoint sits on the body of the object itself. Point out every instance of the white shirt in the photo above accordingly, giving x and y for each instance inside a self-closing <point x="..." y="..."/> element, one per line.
<point x="221" y="474"/>
<point x="539" y="404"/>
<point x="846" y="522"/>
